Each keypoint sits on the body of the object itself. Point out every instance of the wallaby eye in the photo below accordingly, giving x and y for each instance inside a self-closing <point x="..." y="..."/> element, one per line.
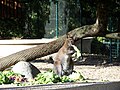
<point x="71" y="41"/>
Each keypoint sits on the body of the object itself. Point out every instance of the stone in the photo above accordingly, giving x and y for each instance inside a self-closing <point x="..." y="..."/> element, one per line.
<point x="26" y="68"/>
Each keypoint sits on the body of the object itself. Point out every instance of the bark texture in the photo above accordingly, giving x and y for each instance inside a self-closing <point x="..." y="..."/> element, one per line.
<point x="113" y="35"/>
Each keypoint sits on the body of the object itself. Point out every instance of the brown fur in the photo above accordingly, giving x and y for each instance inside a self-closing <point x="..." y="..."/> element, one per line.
<point x="63" y="63"/>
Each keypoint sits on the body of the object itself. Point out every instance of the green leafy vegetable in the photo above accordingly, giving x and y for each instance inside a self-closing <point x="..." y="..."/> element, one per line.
<point x="4" y="79"/>
<point x="48" y="77"/>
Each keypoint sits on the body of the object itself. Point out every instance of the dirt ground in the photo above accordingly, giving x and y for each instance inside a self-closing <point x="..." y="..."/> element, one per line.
<point x="93" y="68"/>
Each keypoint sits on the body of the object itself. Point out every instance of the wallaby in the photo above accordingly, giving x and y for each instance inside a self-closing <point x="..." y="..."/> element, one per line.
<point x="63" y="63"/>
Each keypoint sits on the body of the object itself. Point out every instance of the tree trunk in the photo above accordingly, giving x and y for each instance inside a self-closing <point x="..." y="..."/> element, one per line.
<point x="46" y="49"/>
<point x="102" y="16"/>
<point x="54" y="46"/>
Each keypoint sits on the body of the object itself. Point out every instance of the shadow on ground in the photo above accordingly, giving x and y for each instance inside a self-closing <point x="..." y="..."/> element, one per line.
<point x="93" y="59"/>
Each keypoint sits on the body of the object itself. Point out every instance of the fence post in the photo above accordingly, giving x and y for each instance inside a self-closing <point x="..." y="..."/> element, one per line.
<point x="57" y="18"/>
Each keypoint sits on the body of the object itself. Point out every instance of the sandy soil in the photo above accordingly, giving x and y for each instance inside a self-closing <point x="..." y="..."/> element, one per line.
<point x="92" y="73"/>
<point x="92" y="69"/>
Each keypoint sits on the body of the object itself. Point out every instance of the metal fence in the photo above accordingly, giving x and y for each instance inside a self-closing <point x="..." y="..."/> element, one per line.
<point x="114" y="44"/>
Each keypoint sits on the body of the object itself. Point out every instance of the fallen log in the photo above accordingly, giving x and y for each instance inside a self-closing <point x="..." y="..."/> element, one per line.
<point x="48" y="48"/>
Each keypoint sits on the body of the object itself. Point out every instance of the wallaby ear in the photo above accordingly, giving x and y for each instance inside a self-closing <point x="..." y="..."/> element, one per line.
<point x="70" y="36"/>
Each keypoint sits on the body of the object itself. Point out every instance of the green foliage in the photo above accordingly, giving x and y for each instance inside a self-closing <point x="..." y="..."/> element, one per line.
<point x="114" y="8"/>
<point x="101" y="39"/>
<point x="11" y="28"/>
<point x="48" y="77"/>
<point x="8" y="77"/>
<point x="79" y="13"/>
<point x="4" y="79"/>
<point x="31" y="24"/>
<point x="36" y="13"/>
